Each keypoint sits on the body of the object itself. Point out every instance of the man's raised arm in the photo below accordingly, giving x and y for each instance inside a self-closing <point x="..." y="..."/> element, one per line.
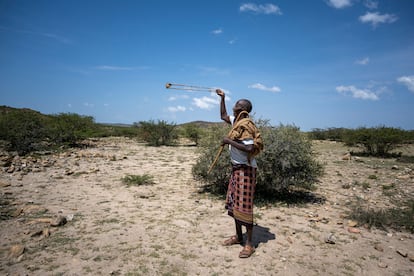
<point x="223" y="111"/>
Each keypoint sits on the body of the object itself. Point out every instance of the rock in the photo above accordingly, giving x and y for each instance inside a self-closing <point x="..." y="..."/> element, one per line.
<point x="59" y="221"/>
<point x="4" y="184"/>
<point x="44" y="233"/>
<point x="69" y="217"/>
<point x="395" y="167"/>
<point x="11" y="169"/>
<point x="354" y="230"/>
<point x="347" y="156"/>
<point x="411" y="257"/>
<point x="379" y="248"/>
<point x="331" y="239"/>
<point x="17" y="212"/>
<point x="352" y="223"/>
<point x="69" y="172"/>
<point x="34" y="209"/>
<point x="382" y="265"/>
<point x="403" y="177"/>
<point x="36" y="233"/>
<point x="325" y="220"/>
<point x="16" y="251"/>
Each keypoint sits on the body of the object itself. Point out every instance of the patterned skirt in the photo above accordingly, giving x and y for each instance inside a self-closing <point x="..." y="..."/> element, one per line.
<point x="240" y="194"/>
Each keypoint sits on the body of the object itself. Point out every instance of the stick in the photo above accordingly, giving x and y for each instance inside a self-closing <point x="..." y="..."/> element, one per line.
<point x="216" y="159"/>
<point x="189" y="87"/>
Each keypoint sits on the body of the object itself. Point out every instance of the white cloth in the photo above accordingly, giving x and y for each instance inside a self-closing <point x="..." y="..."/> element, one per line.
<point x="239" y="157"/>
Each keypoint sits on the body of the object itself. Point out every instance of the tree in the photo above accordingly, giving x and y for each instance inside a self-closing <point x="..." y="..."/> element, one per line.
<point x="157" y="134"/>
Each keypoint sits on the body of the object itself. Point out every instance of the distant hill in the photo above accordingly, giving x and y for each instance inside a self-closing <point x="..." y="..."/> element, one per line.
<point x="7" y="109"/>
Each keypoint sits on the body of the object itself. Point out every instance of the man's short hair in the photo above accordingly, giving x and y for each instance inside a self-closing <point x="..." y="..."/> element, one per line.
<point x="247" y="105"/>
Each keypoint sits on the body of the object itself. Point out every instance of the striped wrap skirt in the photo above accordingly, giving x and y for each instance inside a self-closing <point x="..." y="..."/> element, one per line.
<point x="240" y="194"/>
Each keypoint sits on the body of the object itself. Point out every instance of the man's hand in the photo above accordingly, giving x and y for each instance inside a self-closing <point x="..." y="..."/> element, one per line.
<point x="220" y="93"/>
<point x="237" y="144"/>
<point x="226" y="140"/>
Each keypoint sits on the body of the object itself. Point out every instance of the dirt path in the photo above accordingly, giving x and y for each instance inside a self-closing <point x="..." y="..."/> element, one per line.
<point x="168" y="228"/>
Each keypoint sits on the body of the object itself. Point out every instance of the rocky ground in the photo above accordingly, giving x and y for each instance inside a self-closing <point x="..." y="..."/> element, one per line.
<point x="70" y="214"/>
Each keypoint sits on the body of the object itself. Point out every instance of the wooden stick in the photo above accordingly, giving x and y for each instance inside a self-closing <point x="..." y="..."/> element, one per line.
<point x="216" y="159"/>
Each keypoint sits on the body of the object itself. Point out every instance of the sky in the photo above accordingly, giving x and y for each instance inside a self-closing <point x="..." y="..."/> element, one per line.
<point x="308" y="63"/>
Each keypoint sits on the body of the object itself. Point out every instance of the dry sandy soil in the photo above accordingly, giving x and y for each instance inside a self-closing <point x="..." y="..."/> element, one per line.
<point x="170" y="228"/>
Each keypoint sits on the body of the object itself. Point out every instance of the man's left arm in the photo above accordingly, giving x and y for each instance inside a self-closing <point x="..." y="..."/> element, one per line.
<point x="238" y="145"/>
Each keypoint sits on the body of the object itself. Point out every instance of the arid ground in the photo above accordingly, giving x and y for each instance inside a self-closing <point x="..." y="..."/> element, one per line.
<point x="70" y="214"/>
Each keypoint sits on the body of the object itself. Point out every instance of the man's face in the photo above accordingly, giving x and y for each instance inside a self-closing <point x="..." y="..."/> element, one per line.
<point x="238" y="107"/>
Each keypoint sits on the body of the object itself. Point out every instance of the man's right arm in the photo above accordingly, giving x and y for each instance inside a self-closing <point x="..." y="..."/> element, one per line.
<point x="223" y="111"/>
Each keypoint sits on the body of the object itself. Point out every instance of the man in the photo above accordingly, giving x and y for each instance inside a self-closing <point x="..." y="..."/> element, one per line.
<point x="242" y="184"/>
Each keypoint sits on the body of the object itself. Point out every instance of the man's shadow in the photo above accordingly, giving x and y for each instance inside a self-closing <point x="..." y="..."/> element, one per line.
<point x="261" y="235"/>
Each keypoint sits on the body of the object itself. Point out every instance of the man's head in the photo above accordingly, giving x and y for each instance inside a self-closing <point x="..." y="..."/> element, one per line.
<point x="242" y="105"/>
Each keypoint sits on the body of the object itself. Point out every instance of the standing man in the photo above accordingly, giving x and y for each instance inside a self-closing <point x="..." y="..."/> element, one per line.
<point x="242" y="184"/>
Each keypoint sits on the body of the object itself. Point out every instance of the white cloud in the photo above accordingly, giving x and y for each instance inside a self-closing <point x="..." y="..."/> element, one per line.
<point x="205" y="102"/>
<point x="364" y="94"/>
<point x="177" y="97"/>
<point x="260" y="86"/>
<point x="407" y="81"/>
<point x="113" y="68"/>
<point x="232" y="41"/>
<point x="339" y="4"/>
<point x="91" y="105"/>
<point x="375" y="18"/>
<point x="53" y="36"/>
<point x="370" y="4"/>
<point x="363" y="61"/>
<point x="260" y="9"/>
<point x="217" y="31"/>
<point x="177" y="108"/>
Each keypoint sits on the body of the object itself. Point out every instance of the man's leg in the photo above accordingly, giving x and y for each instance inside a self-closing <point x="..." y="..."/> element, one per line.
<point x="249" y="235"/>
<point x="248" y="248"/>
<point x="239" y="231"/>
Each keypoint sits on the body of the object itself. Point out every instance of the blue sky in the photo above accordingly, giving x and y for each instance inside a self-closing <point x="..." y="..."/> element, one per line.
<point x="311" y="63"/>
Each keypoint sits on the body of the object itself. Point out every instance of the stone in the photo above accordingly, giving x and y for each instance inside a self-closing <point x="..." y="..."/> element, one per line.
<point x="352" y="223"/>
<point x="354" y="230"/>
<point x="4" y="184"/>
<point x="59" y="221"/>
<point x="382" y="265"/>
<point x="331" y="239"/>
<point x="16" y="251"/>
<point x="379" y="248"/>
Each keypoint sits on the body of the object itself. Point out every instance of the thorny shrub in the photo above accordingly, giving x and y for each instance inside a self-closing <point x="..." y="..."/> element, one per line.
<point x="287" y="161"/>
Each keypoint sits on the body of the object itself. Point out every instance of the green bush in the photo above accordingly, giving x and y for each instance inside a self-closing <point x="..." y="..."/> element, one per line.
<point x="399" y="218"/>
<point x="378" y="141"/>
<point x="138" y="180"/>
<point x="157" y="134"/>
<point x="23" y="130"/>
<point x="192" y="132"/>
<point x="69" y="128"/>
<point x="216" y="181"/>
<point x="105" y="130"/>
<point x="286" y="161"/>
<point x="333" y="134"/>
